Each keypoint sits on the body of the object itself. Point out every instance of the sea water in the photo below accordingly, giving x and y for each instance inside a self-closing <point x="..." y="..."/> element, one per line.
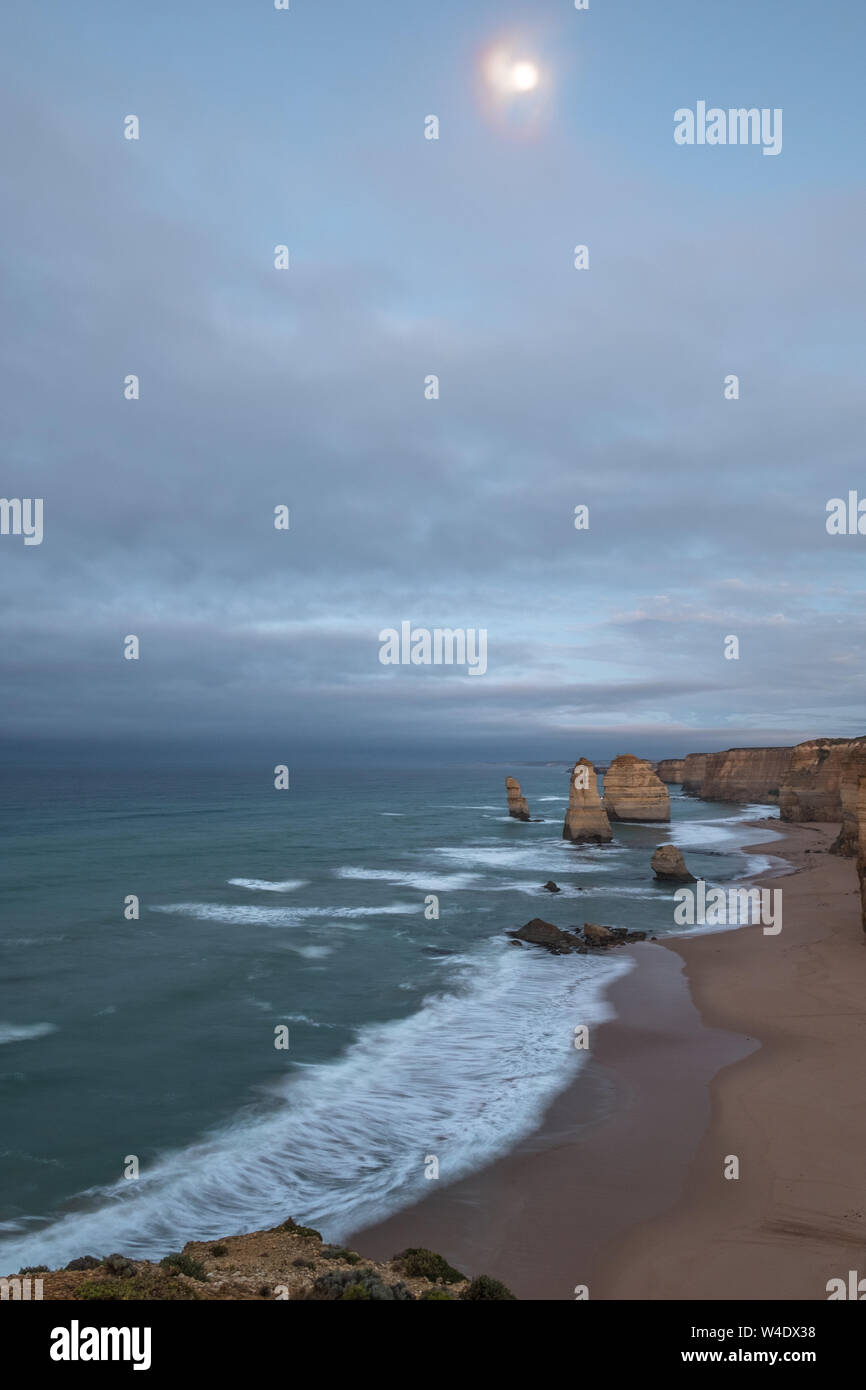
<point x="409" y="1036"/>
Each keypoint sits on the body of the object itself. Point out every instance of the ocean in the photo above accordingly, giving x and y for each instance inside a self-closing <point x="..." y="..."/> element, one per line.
<point x="409" y="1037"/>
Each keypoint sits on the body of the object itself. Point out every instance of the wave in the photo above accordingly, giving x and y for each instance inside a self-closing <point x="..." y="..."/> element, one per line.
<point x="424" y="882"/>
<point x="23" y="1032"/>
<point x="546" y="856"/>
<point x="279" y="916"/>
<point x="345" y="1143"/>
<point x="265" y="885"/>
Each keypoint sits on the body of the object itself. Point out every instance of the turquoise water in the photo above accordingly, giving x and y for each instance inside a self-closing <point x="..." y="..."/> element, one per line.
<point x="304" y="908"/>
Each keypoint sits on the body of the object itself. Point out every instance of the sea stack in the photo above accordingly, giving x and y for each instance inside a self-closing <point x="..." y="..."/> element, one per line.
<point x="517" y="806"/>
<point x="670" y="770"/>
<point x="668" y="865"/>
<point x="694" y="767"/>
<point x="633" y="792"/>
<point x="586" y="820"/>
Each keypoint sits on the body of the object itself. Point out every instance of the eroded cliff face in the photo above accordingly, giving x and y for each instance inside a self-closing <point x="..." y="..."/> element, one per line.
<point x="670" y="770"/>
<point x="632" y="791"/>
<point x="745" y="774"/>
<point x="849" y="798"/>
<point x="586" y="820"/>
<point x="694" y="766"/>
<point x="861" y="848"/>
<point x="812" y="789"/>
<point x="517" y="806"/>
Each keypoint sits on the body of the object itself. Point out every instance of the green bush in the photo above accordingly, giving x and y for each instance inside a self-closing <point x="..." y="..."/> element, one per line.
<point x="437" y="1295"/>
<point x="339" y="1252"/>
<point x="218" y="1251"/>
<point x="184" y="1264"/>
<point x="137" y="1289"/>
<point x="339" y="1285"/>
<point x="487" y="1288"/>
<point x="419" y="1263"/>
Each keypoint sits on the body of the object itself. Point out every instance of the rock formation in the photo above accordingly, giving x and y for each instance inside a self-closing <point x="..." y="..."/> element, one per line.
<point x="551" y="886"/>
<point x="553" y="939"/>
<point x="586" y="820"/>
<point x="812" y="790"/>
<point x="668" y="864"/>
<point x="848" y="840"/>
<point x="670" y="770"/>
<point x="694" y="765"/>
<point x="861" y="849"/>
<point x="745" y="774"/>
<point x="517" y="806"/>
<point x="632" y="791"/>
<point x="564" y="943"/>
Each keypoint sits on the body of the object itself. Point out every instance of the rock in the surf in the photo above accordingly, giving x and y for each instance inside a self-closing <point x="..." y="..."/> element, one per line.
<point x="517" y="806"/>
<point x="668" y="864"/>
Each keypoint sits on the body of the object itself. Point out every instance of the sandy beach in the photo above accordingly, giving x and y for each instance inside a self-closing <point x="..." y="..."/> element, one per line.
<point x="733" y="1043"/>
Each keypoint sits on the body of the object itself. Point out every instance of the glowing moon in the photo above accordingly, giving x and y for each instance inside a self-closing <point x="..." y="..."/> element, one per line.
<point x="509" y="75"/>
<point x="524" y="77"/>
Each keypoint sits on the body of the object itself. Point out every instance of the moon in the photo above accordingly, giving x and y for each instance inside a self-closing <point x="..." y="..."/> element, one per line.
<point x="511" y="76"/>
<point x="524" y="76"/>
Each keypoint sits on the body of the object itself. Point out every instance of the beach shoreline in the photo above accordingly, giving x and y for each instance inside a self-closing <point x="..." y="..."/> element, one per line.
<point x="724" y="1044"/>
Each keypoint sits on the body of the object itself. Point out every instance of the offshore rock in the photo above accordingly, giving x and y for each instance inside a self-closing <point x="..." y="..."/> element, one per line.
<point x="632" y="791"/>
<point x="563" y="943"/>
<point x="517" y="806"/>
<point x="586" y="820"/>
<point x="668" y="864"/>
<point x="670" y="770"/>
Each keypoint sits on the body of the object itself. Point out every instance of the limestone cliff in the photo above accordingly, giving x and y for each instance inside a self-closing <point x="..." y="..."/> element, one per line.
<point x="745" y="774"/>
<point x="632" y="791"/>
<point x="849" y="797"/>
<point x="861" y="848"/>
<point x="586" y="820"/>
<point x="670" y="770"/>
<point x="812" y="789"/>
<point x="517" y="806"/>
<point x="694" y="765"/>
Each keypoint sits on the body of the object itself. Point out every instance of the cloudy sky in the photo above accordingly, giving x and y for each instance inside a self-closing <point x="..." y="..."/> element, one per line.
<point x="410" y="257"/>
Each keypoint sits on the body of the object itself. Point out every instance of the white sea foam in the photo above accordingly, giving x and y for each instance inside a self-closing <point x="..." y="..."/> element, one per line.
<point x="465" y="1077"/>
<point x="279" y="916"/>
<point x="302" y="1018"/>
<point x="545" y="856"/>
<point x="265" y="885"/>
<point x="23" y="1032"/>
<point x="424" y="882"/>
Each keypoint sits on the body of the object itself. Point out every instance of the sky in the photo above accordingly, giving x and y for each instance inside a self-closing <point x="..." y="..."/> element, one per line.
<point x="409" y="257"/>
